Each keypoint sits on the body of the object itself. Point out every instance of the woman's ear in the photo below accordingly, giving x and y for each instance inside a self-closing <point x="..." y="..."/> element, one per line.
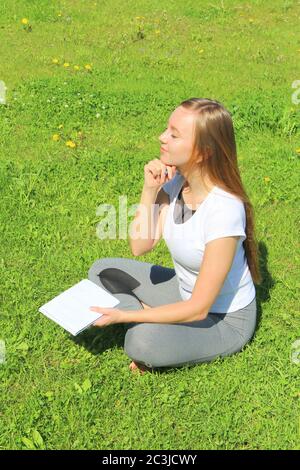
<point x="199" y="158"/>
<point x="206" y="154"/>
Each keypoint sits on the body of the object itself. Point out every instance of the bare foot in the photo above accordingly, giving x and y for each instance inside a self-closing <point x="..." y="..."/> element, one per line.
<point x="136" y="366"/>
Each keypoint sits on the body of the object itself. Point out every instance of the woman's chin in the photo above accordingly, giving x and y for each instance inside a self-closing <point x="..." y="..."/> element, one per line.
<point x="164" y="157"/>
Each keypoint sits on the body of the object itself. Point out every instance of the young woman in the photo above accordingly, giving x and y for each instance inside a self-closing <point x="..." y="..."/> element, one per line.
<point x="194" y="198"/>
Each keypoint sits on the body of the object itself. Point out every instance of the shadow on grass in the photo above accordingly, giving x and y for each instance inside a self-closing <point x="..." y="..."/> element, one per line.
<point x="263" y="290"/>
<point x="97" y="340"/>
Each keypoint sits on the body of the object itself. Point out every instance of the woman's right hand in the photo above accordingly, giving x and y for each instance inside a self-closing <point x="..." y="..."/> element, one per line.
<point x="154" y="173"/>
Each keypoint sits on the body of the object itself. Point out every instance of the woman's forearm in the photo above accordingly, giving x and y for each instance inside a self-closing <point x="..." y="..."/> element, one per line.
<point x="141" y="231"/>
<point x="178" y="312"/>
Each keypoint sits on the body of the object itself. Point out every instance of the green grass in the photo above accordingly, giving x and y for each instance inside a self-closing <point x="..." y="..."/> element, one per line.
<point x="57" y="392"/>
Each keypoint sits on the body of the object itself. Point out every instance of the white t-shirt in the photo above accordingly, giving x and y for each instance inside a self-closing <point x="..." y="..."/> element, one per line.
<point x="220" y="214"/>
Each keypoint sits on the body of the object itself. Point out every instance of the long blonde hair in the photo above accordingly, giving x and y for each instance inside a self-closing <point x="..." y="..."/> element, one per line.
<point x="214" y="141"/>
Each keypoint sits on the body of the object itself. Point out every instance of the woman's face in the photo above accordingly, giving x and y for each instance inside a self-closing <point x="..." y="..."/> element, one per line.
<point x="177" y="139"/>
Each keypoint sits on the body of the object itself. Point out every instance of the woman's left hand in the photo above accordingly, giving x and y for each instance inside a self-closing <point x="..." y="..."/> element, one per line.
<point x="110" y="316"/>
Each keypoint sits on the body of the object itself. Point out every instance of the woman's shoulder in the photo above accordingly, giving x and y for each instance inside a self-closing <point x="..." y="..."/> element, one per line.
<point x="218" y="191"/>
<point x="225" y="197"/>
<point x="223" y="201"/>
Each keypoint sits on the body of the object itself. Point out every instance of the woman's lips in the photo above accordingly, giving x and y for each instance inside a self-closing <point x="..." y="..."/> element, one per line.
<point x="162" y="150"/>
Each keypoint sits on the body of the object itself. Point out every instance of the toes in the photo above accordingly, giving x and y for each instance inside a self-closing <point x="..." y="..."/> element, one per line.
<point x="138" y="367"/>
<point x="133" y="366"/>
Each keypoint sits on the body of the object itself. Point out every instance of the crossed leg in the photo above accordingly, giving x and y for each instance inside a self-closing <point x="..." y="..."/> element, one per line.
<point x="136" y="366"/>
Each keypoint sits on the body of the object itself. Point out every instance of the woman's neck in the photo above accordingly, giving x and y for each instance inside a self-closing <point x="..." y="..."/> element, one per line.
<point x="197" y="187"/>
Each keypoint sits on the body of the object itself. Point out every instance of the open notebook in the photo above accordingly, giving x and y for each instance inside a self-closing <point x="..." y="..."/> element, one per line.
<point x="70" y="309"/>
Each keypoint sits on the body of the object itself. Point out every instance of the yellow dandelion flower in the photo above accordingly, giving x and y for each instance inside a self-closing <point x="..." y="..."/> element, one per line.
<point x="66" y="64"/>
<point x="88" y="67"/>
<point x="251" y="20"/>
<point x="267" y="179"/>
<point x="24" y="21"/>
<point x="201" y="50"/>
<point x="157" y="31"/>
<point x="55" y="61"/>
<point x="298" y="150"/>
<point x="55" y="137"/>
<point x="137" y="17"/>
<point x="76" y="67"/>
<point x="60" y="126"/>
<point x="70" y="144"/>
<point x="58" y="14"/>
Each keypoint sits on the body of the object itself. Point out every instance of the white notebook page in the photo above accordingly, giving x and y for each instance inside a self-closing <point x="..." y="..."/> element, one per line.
<point x="70" y="309"/>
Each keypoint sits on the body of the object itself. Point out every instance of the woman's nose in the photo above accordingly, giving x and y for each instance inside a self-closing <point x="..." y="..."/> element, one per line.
<point x="161" y="138"/>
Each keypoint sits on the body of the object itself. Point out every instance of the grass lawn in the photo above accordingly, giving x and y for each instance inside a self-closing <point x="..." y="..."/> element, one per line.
<point x="75" y="136"/>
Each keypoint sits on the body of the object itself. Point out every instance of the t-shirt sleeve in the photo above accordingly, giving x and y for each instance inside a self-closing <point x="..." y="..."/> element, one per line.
<point x="224" y="220"/>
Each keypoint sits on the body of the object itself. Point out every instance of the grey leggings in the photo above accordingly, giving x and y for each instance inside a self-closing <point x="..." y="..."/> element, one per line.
<point x="169" y="344"/>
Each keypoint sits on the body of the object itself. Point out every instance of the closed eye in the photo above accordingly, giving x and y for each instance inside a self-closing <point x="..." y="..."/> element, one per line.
<point x="171" y="134"/>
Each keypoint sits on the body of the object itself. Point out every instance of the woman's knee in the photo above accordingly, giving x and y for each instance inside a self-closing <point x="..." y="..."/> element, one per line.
<point x="138" y="347"/>
<point x="100" y="264"/>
